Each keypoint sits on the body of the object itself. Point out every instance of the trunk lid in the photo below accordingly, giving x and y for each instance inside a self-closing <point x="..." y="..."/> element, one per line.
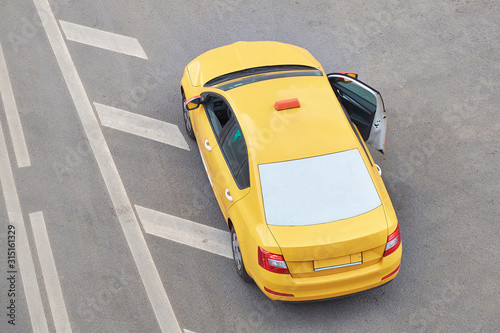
<point x="330" y="248"/>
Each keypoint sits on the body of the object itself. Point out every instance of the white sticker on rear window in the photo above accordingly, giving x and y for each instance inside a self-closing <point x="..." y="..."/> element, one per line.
<point x="317" y="190"/>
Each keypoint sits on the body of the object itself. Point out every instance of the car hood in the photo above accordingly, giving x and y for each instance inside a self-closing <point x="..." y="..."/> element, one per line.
<point x="243" y="55"/>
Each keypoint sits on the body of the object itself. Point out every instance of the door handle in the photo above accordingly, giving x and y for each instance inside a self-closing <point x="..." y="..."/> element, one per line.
<point x="207" y="145"/>
<point x="228" y="195"/>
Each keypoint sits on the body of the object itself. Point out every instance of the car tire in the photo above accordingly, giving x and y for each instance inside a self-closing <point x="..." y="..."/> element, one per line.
<point x="187" y="118"/>
<point x="238" y="258"/>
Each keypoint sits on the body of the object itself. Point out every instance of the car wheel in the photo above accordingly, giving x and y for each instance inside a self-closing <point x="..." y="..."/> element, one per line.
<point x="238" y="258"/>
<point x="187" y="118"/>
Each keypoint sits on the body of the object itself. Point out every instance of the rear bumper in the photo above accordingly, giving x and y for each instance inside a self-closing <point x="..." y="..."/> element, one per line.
<point x="331" y="286"/>
<point x="334" y="298"/>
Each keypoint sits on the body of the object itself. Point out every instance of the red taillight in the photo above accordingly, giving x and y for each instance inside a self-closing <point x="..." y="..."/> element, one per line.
<point x="277" y="293"/>
<point x="272" y="262"/>
<point x="393" y="242"/>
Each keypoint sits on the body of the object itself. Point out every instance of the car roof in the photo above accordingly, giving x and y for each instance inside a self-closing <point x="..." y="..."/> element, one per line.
<point x="318" y="127"/>
<point x="243" y="55"/>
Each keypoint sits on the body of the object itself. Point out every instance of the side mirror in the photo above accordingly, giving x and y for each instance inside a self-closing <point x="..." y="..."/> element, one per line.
<point x="193" y="103"/>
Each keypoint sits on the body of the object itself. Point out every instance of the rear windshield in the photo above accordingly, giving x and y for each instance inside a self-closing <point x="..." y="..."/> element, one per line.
<point x="317" y="190"/>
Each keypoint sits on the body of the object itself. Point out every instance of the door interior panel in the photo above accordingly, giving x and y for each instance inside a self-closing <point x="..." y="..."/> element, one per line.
<point x="360" y="108"/>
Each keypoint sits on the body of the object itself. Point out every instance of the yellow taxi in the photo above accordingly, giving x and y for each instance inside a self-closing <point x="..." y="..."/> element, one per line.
<point x="283" y="145"/>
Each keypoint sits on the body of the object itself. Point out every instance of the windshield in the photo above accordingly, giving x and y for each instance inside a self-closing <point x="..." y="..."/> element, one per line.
<point x="254" y="74"/>
<point x="256" y="78"/>
<point x="317" y="190"/>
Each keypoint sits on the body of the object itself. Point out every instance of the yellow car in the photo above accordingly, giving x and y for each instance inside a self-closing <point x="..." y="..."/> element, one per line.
<point x="283" y="144"/>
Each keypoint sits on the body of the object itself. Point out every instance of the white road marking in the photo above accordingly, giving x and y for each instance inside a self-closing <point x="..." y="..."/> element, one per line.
<point x="128" y="221"/>
<point x="102" y="39"/>
<point x="12" y="114"/>
<point x="185" y="232"/>
<point x="49" y="272"/>
<point x="25" y="260"/>
<point x="140" y="125"/>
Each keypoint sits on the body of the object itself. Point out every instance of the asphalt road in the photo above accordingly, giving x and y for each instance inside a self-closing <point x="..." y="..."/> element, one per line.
<point x="71" y="181"/>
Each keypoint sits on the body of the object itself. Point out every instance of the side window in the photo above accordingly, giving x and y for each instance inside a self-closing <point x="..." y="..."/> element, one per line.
<point x="370" y="101"/>
<point x="364" y="106"/>
<point x="359" y="103"/>
<point x="218" y="113"/>
<point x="234" y="149"/>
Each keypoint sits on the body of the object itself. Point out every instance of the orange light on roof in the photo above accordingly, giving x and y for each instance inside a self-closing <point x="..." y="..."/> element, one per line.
<point x="287" y="104"/>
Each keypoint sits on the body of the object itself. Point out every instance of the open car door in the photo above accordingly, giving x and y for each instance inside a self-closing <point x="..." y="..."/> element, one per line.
<point x="363" y="105"/>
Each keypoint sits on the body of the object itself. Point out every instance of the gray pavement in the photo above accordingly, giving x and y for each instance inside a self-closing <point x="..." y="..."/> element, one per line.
<point x="436" y="65"/>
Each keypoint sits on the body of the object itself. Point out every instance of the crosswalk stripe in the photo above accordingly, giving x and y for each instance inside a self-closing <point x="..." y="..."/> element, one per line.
<point x="102" y="39"/>
<point x="49" y="272"/>
<point x="143" y="259"/>
<point x="185" y="232"/>
<point x="140" y="125"/>
<point x="12" y="114"/>
<point x="25" y="260"/>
